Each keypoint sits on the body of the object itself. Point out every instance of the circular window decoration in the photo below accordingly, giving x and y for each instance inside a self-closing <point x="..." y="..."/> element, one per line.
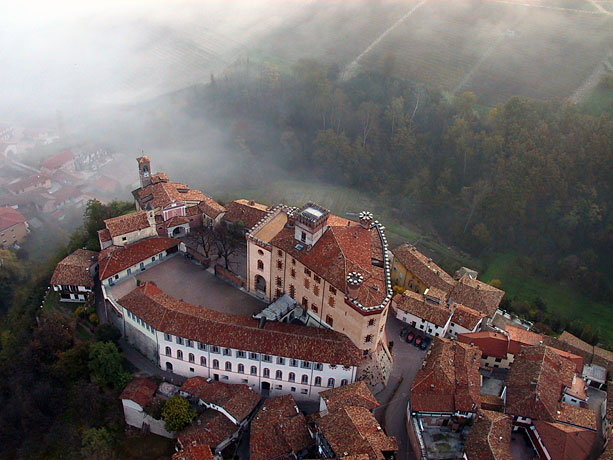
<point x="260" y="252"/>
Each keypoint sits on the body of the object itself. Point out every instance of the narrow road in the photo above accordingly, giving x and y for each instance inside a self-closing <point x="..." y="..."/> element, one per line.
<point x="394" y="398"/>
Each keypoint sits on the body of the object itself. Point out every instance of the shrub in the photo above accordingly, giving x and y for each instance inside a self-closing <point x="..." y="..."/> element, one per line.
<point x="496" y="283"/>
<point x="93" y="318"/>
<point x="177" y="413"/>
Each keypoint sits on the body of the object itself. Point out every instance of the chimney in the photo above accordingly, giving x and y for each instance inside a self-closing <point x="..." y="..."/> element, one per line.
<point x="252" y="203"/>
<point x="291" y="219"/>
<point x="354" y="281"/>
<point x="366" y="219"/>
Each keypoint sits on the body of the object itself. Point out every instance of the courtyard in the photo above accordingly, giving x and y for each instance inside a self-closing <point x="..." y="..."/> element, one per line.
<point x="183" y="279"/>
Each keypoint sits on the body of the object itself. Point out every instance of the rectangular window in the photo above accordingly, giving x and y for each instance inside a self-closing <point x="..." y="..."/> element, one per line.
<point x="167" y="337"/>
<point x="179" y="340"/>
<point x="214" y="349"/>
<point x="331" y="301"/>
<point x="227" y="352"/>
<point x="201" y="346"/>
<point x="244" y="380"/>
<point x="253" y="356"/>
<point x="317" y="279"/>
<point x="329" y="321"/>
<point x="305" y="364"/>
<point x="332" y="290"/>
<point x="279" y="264"/>
<point x="319" y="367"/>
<point x="189" y="343"/>
<point x="279" y="253"/>
<point x="307" y="272"/>
<point x="241" y="354"/>
<point x="281" y="361"/>
<point x="293" y="389"/>
<point x="267" y="358"/>
<point x="304" y="391"/>
<point x="293" y="362"/>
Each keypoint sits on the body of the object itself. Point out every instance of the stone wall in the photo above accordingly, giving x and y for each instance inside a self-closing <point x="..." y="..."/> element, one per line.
<point x="140" y="341"/>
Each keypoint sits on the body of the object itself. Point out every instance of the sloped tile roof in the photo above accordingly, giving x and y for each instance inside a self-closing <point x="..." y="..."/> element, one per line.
<point x="57" y="160"/>
<point x="449" y="379"/>
<point x="194" y="452"/>
<point x="238" y="400"/>
<point x="423" y="268"/>
<point x="583" y="417"/>
<point x="565" y="442"/>
<point x="535" y="383"/>
<point x="339" y="251"/>
<point x="356" y="394"/>
<point x="127" y="223"/>
<point x="519" y="337"/>
<point x="115" y="259"/>
<point x="278" y="429"/>
<point x="74" y="270"/>
<point x="197" y="323"/>
<point x="416" y="304"/>
<point x="490" y="437"/>
<point x="176" y="220"/>
<point x="466" y="317"/>
<point x="248" y="212"/>
<point x="104" y="235"/>
<point x="139" y="390"/>
<point x="31" y="181"/>
<point x="210" y="429"/>
<point x="353" y="430"/>
<point x="10" y="217"/>
<point x="476" y="295"/>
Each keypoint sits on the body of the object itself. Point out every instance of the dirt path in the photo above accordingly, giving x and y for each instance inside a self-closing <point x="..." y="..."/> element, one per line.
<point x="353" y="65"/>
<point x="590" y="82"/>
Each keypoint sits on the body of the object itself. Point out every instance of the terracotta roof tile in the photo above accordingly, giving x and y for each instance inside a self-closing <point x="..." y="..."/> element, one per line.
<point x="127" y="223"/>
<point x="418" y="305"/>
<point x="352" y="431"/>
<point x="58" y="160"/>
<point x="476" y="295"/>
<point x="490" y="343"/>
<point x="565" y="442"/>
<point x="575" y="415"/>
<point x="194" y="452"/>
<point x="423" y="268"/>
<point x="356" y="394"/>
<point x="576" y="342"/>
<point x="197" y="323"/>
<point x="75" y="269"/>
<point x="139" y="390"/>
<point x="278" y="429"/>
<point x="490" y="437"/>
<point x="115" y="259"/>
<point x="535" y="383"/>
<point x="176" y="220"/>
<point x="449" y="379"/>
<point x="608" y="452"/>
<point x="466" y="317"/>
<point x="10" y="217"/>
<point x="238" y="400"/>
<point x="248" y="212"/>
<point x="27" y="182"/>
<point x="210" y="429"/>
<point x="104" y="235"/>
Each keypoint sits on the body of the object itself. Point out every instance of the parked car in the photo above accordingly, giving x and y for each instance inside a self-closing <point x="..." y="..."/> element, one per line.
<point x="404" y="331"/>
<point x="425" y="343"/>
<point x="418" y="340"/>
<point x="410" y="337"/>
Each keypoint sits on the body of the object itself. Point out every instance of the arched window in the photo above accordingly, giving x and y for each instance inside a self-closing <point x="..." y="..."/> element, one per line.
<point x="260" y="265"/>
<point x="215" y="364"/>
<point x="228" y="366"/>
<point x="344" y="382"/>
<point x="168" y="351"/>
<point x="266" y="372"/>
<point x="317" y="381"/>
<point x="305" y="379"/>
<point x="331" y="383"/>
<point x="279" y="375"/>
<point x="241" y="368"/>
<point x="179" y="354"/>
<point x="203" y="361"/>
<point x="254" y="370"/>
<point x="191" y="358"/>
<point x="292" y="377"/>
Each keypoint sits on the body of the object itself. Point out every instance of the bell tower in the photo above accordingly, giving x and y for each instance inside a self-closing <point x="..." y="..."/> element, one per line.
<point x="144" y="170"/>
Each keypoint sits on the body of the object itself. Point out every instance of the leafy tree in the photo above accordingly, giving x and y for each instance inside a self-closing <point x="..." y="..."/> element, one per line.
<point x="97" y="444"/>
<point x="107" y="332"/>
<point x="105" y="366"/>
<point x="177" y="413"/>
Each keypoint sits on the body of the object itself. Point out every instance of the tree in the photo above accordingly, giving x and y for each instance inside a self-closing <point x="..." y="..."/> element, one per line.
<point x="97" y="444"/>
<point x="177" y="413"/>
<point x="367" y="113"/>
<point x="105" y="366"/>
<point x="226" y="242"/>
<point x="107" y="332"/>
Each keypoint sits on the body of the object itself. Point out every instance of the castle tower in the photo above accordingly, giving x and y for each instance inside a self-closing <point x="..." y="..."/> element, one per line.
<point x="311" y="222"/>
<point x="144" y="170"/>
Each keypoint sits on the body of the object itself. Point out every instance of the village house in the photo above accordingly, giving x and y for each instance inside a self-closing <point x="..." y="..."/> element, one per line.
<point x="127" y="229"/>
<point x="13" y="227"/>
<point x="177" y="208"/>
<point x="63" y="160"/>
<point x="345" y="426"/>
<point x="489" y="438"/>
<point x="590" y="353"/>
<point x="29" y="184"/>
<point x="135" y="397"/>
<point x="499" y="348"/>
<point x="271" y="357"/>
<point x="445" y="395"/>
<point x="433" y="313"/>
<point x="536" y="397"/>
<point x="279" y="431"/>
<point x="413" y="271"/>
<point x="336" y="269"/>
<point x="74" y="276"/>
<point x="247" y="212"/>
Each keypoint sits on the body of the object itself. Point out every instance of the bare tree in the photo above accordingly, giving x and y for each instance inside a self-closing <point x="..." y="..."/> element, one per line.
<point x="206" y="240"/>
<point x="226" y="242"/>
<point x="368" y="112"/>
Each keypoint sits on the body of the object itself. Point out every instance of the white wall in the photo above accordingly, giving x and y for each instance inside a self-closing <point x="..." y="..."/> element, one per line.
<point x="421" y="325"/>
<point x="134" y="269"/>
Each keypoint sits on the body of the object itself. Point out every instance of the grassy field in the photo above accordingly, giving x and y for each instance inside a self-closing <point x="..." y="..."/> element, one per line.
<point x="560" y="299"/>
